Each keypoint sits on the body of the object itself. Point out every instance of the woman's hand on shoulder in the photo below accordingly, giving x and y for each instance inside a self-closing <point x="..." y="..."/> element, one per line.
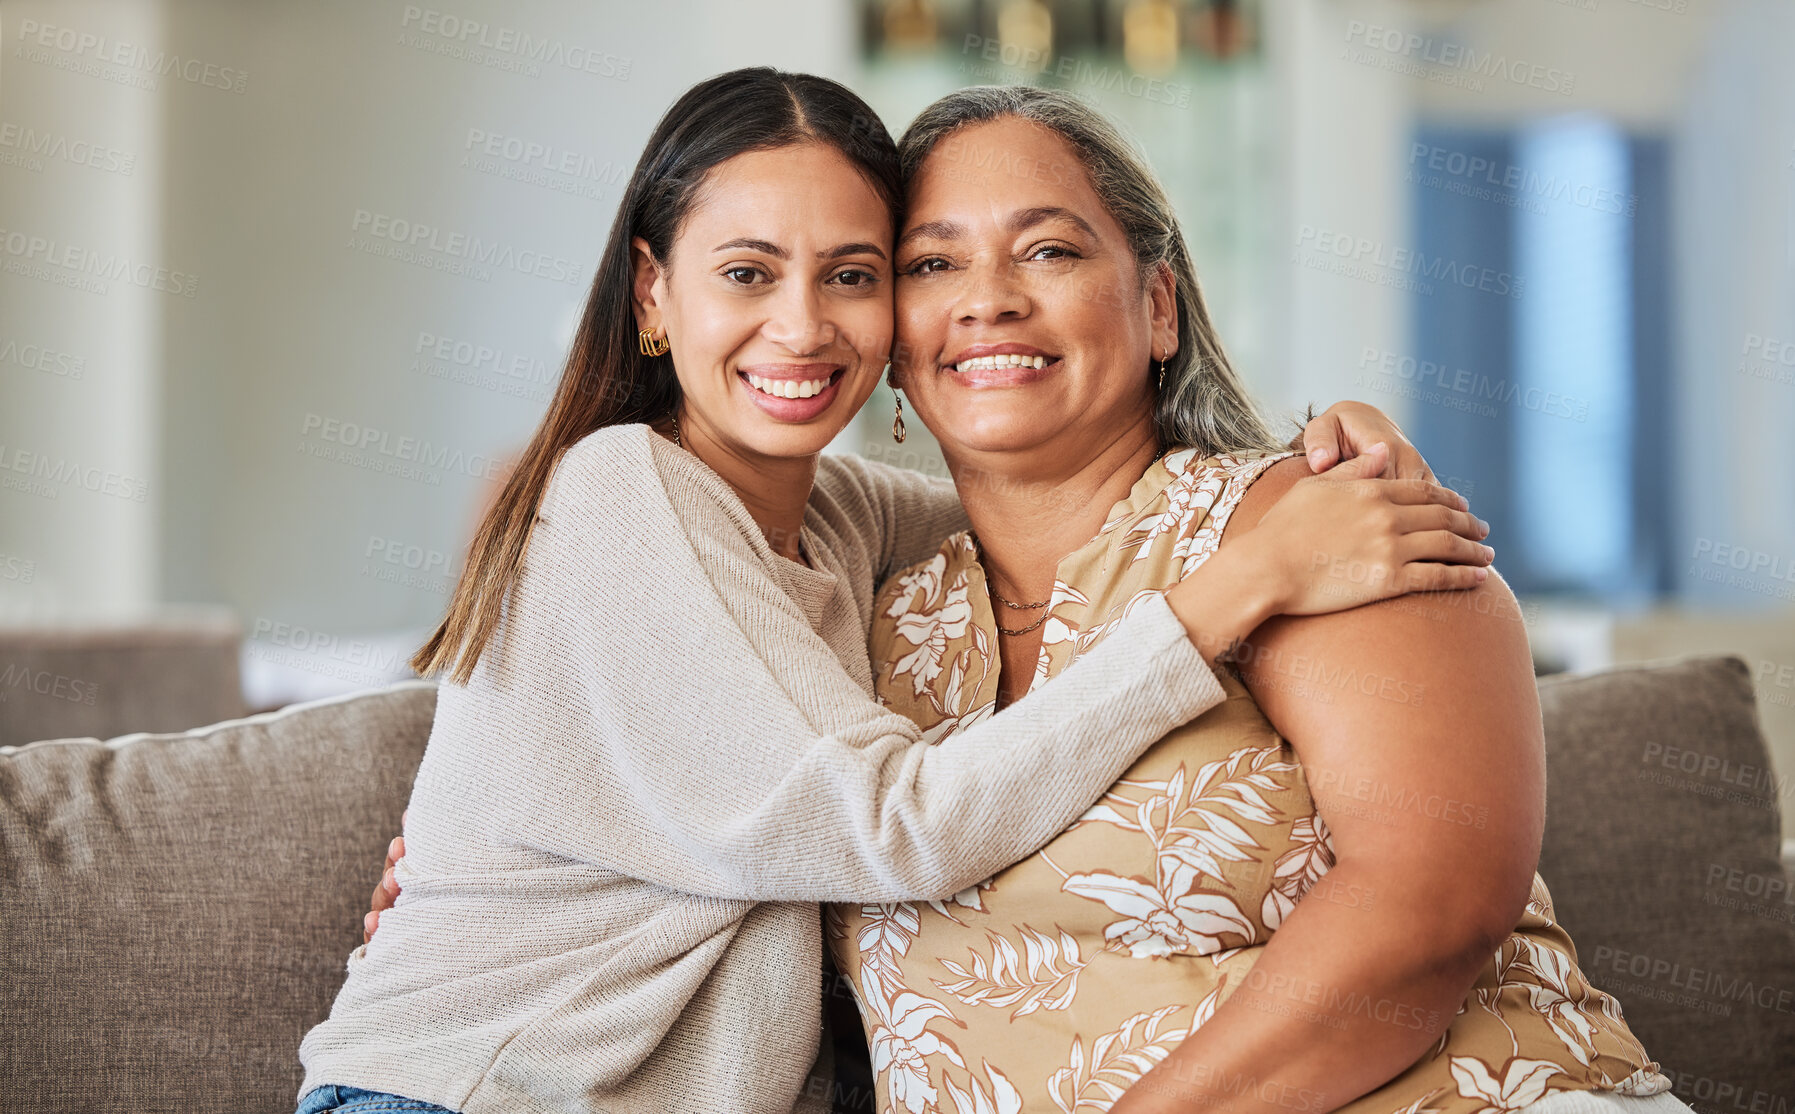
<point x="1346" y="429"/>
<point x="1328" y="543"/>
<point x="1343" y="538"/>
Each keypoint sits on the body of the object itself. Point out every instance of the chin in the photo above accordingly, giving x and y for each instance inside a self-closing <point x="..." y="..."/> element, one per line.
<point x="786" y="441"/>
<point x="993" y="433"/>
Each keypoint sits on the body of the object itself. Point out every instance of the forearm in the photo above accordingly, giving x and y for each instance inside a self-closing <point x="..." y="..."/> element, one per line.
<point x="1223" y="602"/>
<point x="835" y="798"/>
<point x="1361" y="978"/>
<point x="909" y="821"/>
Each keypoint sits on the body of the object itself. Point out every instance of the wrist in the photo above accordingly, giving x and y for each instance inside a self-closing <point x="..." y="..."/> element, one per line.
<point x="1223" y="602"/>
<point x="1252" y="580"/>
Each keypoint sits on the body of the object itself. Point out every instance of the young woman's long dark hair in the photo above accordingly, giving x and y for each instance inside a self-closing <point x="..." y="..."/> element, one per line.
<point x="607" y="381"/>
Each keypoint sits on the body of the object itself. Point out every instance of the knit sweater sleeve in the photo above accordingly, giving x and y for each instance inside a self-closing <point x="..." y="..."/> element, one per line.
<point x="708" y="740"/>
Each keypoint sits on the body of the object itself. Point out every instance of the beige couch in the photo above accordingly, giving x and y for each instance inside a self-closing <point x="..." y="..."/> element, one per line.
<point x="177" y="908"/>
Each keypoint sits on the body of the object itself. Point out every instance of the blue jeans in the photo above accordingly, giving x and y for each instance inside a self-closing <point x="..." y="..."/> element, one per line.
<point x="332" y="1099"/>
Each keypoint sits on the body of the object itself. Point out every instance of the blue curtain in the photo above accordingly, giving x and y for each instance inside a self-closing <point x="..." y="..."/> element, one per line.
<point x="1544" y="390"/>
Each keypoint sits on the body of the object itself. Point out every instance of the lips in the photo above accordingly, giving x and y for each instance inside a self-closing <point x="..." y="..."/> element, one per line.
<point x="792" y="392"/>
<point x="1009" y="364"/>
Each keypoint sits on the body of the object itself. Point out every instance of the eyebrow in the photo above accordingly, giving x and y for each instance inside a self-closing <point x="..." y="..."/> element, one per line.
<point x="1028" y="218"/>
<point x="1019" y="221"/>
<point x="768" y="247"/>
<point x="933" y="230"/>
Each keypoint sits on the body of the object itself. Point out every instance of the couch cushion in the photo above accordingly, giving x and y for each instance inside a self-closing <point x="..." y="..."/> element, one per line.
<point x="177" y="909"/>
<point x="166" y="670"/>
<point x="1662" y="855"/>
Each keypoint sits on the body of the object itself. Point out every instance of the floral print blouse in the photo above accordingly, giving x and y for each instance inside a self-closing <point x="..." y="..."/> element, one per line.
<point x="1064" y="978"/>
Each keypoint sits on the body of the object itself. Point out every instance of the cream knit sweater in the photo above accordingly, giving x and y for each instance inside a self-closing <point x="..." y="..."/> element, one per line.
<point x="666" y="757"/>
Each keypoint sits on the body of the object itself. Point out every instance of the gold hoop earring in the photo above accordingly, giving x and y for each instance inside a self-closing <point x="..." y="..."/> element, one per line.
<point x="649" y="344"/>
<point x="897" y="423"/>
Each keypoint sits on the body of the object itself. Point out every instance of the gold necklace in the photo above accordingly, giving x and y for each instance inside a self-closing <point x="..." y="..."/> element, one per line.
<point x="991" y="587"/>
<point x="1001" y="629"/>
<point x="676" y="441"/>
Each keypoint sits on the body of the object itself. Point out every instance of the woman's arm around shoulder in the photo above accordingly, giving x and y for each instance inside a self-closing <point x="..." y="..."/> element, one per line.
<point x="701" y="735"/>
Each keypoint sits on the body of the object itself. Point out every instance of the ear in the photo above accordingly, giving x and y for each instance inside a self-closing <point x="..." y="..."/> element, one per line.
<point x="1162" y="310"/>
<point x="648" y="288"/>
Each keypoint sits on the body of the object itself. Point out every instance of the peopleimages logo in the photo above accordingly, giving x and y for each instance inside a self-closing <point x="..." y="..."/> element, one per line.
<point x="42" y="682"/>
<point x="22" y="469"/>
<point x="483" y="366"/>
<point x="1455" y="57"/>
<point x="1078" y="71"/>
<point x="1517" y="181"/>
<point x="484" y="43"/>
<point x="400" y="454"/>
<point x="541" y="164"/>
<point x="30" y="255"/>
<point x="1458" y="381"/>
<point x="1359" y="252"/>
<point x="28" y="147"/>
<point x="73" y="46"/>
<point x="1757" y="562"/>
<point x="63" y="365"/>
<point x="384" y="234"/>
<point x="357" y="661"/>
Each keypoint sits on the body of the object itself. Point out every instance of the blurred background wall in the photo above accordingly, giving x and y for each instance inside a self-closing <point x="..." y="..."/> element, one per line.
<point x="282" y="285"/>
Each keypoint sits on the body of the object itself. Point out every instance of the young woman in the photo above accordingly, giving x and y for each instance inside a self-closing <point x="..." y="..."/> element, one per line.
<point x="659" y="747"/>
<point x="1321" y="895"/>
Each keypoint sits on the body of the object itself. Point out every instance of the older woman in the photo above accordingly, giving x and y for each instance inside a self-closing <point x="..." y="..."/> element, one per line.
<point x="1318" y="896"/>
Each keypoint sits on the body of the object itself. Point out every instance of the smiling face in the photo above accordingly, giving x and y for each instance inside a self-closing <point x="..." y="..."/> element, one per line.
<point x="775" y="299"/>
<point x="1023" y="322"/>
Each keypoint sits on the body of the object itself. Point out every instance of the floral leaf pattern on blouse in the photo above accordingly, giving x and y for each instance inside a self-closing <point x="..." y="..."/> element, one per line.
<point x="1118" y="1059"/>
<point x="1067" y="976"/>
<point x="1048" y="978"/>
<point x="1522" y="1081"/>
<point x="1295" y="872"/>
<point x="1001" y="1098"/>
<point x="901" y="1043"/>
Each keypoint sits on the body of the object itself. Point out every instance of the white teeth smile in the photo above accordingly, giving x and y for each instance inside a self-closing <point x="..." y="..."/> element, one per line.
<point x="992" y="363"/>
<point x="789" y="388"/>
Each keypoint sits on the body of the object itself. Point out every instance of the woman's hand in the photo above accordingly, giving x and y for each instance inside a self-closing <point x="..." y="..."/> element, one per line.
<point x="1347" y="429"/>
<point x="1345" y="538"/>
<point x="387" y="891"/>
<point x="1331" y="543"/>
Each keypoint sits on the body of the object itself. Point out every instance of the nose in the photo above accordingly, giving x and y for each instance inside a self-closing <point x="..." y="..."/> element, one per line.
<point x="990" y="294"/>
<point x="798" y="322"/>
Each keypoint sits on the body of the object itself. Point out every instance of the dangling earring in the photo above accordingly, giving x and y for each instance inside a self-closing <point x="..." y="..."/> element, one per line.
<point x="1162" y="375"/>
<point x="897" y="423"/>
<point x="649" y="344"/>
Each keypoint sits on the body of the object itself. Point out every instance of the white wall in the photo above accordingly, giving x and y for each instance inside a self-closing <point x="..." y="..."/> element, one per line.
<point x="1343" y="130"/>
<point x="81" y="194"/>
<point x="1735" y="281"/>
<point x="219" y="399"/>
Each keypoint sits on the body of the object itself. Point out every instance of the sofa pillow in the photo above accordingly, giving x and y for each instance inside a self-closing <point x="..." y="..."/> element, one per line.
<point x="1663" y="835"/>
<point x="177" y="909"/>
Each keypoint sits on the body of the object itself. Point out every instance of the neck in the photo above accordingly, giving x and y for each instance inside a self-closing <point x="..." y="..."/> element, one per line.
<point x="1031" y="509"/>
<point x="775" y="489"/>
